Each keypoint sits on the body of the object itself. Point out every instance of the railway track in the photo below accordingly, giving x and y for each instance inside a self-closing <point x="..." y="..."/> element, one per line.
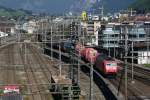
<point x="38" y="71"/>
<point x="137" y="88"/>
<point x="7" y="63"/>
<point x="142" y="77"/>
<point x="43" y="68"/>
<point x="99" y="84"/>
<point x="139" y="73"/>
<point x="33" y="71"/>
<point x="131" y="88"/>
<point x="42" y="63"/>
<point x="84" y="83"/>
<point x="36" y="76"/>
<point x="30" y="75"/>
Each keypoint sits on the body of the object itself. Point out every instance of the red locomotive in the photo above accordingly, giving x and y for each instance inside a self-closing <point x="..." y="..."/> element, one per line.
<point x="101" y="61"/>
<point x="106" y="64"/>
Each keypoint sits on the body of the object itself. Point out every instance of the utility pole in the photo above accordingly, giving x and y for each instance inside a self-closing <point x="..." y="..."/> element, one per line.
<point x="91" y="81"/>
<point x="148" y="43"/>
<point x="63" y="30"/>
<point x="126" y="54"/>
<point x="78" y="74"/>
<point x="59" y="38"/>
<point x="71" y="67"/>
<point x="18" y="33"/>
<point x="60" y="65"/>
<point x="42" y="36"/>
<point x="25" y="53"/>
<point x="79" y="56"/>
<point x="114" y="50"/>
<point x="132" y="65"/>
<point x="51" y="43"/>
<point x="45" y="36"/>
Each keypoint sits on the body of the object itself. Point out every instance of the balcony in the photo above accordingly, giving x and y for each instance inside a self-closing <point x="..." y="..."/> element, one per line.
<point x="110" y="45"/>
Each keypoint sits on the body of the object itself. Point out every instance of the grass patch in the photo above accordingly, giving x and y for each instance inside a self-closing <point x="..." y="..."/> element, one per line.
<point x="147" y="65"/>
<point x="1" y="91"/>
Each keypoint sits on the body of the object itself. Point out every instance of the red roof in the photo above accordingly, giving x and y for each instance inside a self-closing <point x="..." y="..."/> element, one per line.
<point x="11" y="87"/>
<point x="142" y="18"/>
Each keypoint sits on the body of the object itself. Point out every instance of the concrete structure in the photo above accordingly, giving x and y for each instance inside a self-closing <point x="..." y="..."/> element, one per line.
<point x="7" y="26"/>
<point x="137" y="34"/>
<point x="110" y="36"/>
<point x="30" y="27"/>
<point x="143" y="57"/>
<point x="91" y="31"/>
<point x="2" y="34"/>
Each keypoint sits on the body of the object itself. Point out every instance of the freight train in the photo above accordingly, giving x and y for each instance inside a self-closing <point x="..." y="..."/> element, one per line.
<point x="102" y="62"/>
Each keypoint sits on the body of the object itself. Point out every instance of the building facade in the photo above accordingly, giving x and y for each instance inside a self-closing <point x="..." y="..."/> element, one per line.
<point x="113" y="37"/>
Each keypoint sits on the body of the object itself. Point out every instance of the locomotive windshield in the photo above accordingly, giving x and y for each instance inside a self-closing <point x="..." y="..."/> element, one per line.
<point x="111" y="64"/>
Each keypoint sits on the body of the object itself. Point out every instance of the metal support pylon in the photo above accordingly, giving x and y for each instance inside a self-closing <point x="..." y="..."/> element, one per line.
<point x="91" y="82"/>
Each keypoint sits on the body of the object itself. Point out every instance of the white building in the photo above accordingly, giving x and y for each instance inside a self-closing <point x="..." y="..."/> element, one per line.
<point x="91" y="31"/>
<point x="143" y="57"/>
<point x="137" y="34"/>
<point x="2" y="34"/>
<point x="110" y="37"/>
<point x="30" y="27"/>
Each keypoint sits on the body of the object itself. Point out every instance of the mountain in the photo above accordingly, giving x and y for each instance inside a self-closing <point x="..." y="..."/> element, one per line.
<point x="110" y="6"/>
<point x="9" y="12"/>
<point x="141" y="5"/>
<point x="39" y="6"/>
<point x="115" y="5"/>
<point x="62" y="6"/>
